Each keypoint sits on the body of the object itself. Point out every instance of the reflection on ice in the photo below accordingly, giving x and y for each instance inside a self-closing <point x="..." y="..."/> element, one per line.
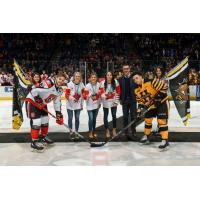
<point x="115" y="154"/>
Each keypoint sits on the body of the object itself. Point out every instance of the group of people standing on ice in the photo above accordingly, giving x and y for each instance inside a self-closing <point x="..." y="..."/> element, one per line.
<point x="109" y="94"/>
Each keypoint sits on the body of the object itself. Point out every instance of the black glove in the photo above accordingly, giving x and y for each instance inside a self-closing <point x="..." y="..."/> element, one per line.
<point x="38" y="100"/>
<point x="158" y="99"/>
<point x="141" y="111"/>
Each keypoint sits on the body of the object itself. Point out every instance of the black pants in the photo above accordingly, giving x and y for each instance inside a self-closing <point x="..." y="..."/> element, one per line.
<point x="114" y="118"/>
<point x="129" y="108"/>
<point x="35" y="113"/>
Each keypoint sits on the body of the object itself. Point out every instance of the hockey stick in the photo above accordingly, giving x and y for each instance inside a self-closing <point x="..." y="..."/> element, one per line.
<point x="65" y="125"/>
<point x="135" y="123"/>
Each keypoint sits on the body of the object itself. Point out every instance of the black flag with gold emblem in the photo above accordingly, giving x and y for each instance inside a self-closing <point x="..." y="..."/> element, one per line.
<point x="20" y="92"/>
<point x="178" y="79"/>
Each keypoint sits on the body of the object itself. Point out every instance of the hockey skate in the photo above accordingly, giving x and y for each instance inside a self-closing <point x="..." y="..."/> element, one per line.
<point x="145" y="140"/>
<point x="164" y="145"/>
<point x="45" y="140"/>
<point x="36" y="146"/>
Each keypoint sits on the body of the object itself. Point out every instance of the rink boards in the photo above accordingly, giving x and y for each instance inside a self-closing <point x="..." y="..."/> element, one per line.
<point x="6" y="92"/>
<point x="175" y="123"/>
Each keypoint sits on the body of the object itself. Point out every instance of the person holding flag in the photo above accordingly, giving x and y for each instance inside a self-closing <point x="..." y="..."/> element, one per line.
<point x="159" y="73"/>
<point x="178" y="79"/>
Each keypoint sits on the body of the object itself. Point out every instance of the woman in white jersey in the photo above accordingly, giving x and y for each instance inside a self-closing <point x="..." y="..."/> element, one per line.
<point x="92" y="97"/>
<point x="74" y="96"/>
<point x="110" y="92"/>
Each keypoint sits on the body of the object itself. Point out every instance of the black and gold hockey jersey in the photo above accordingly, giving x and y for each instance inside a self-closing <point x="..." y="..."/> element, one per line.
<point x="146" y="93"/>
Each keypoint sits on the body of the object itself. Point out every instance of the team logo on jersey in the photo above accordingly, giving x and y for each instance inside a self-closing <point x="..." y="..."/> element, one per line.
<point x="182" y="91"/>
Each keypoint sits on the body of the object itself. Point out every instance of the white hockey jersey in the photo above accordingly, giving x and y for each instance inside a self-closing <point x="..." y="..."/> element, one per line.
<point x="110" y="96"/>
<point x="93" y="90"/>
<point x="47" y="92"/>
<point x="75" y="99"/>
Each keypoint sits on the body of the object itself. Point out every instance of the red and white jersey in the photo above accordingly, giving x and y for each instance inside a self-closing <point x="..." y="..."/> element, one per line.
<point x="44" y="76"/>
<point x="110" y="96"/>
<point x="48" y="92"/>
<point x="92" y="96"/>
<point x="75" y="96"/>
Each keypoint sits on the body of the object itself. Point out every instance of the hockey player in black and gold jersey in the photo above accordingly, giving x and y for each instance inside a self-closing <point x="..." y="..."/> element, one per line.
<point x="153" y="94"/>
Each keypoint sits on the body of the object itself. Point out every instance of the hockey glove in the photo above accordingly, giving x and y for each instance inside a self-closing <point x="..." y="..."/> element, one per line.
<point x="141" y="111"/>
<point x="158" y="99"/>
<point x="39" y="102"/>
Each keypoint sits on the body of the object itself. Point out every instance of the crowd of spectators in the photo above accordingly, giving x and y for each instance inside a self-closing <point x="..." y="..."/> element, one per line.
<point x="100" y="52"/>
<point x="6" y="79"/>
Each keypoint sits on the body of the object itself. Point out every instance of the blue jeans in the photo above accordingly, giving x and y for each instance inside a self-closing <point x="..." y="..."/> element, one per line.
<point x="70" y="118"/>
<point x="92" y="114"/>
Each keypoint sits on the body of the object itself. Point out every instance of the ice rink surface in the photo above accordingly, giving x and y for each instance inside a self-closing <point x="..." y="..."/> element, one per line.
<point x="115" y="154"/>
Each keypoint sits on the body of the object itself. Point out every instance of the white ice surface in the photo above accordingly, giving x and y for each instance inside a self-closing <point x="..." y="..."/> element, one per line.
<point x="115" y="154"/>
<point x="175" y="123"/>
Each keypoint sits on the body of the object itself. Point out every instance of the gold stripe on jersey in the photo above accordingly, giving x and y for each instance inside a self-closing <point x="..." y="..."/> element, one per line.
<point x="155" y="82"/>
<point x="148" y="90"/>
<point x="160" y="85"/>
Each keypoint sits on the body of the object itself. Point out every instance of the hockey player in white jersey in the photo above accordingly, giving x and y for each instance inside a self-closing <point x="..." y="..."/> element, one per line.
<point x="36" y="100"/>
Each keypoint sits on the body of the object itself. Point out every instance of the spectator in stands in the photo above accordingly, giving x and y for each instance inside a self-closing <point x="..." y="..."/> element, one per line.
<point x="159" y="72"/>
<point x="193" y="77"/>
<point x="128" y="100"/>
<point x="4" y="79"/>
<point x="44" y="76"/>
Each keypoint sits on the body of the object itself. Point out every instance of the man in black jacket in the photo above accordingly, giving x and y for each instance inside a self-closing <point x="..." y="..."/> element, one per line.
<point x="128" y="100"/>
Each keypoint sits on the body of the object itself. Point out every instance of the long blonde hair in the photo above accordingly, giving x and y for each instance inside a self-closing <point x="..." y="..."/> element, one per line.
<point x="79" y="73"/>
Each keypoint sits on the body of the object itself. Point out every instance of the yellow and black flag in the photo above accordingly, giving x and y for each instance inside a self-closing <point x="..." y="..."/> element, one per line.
<point x="178" y="79"/>
<point x="20" y="92"/>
